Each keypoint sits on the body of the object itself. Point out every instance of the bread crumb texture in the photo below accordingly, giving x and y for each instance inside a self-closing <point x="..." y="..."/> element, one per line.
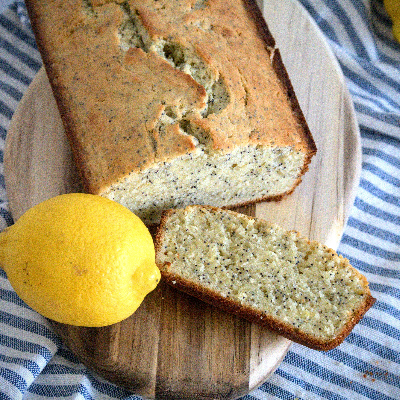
<point x="260" y="265"/>
<point x="212" y="179"/>
<point x="158" y="96"/>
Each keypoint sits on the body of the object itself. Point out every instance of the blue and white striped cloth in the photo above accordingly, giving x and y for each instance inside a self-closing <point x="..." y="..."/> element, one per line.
<point x="34" y="364"/>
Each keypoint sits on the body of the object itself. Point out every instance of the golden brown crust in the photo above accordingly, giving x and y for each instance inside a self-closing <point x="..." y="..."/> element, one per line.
<point x="256" y="316"/>
<point x="113" y="130"/>
<point x="252" y="314"/>
<point x="283" y="76"/>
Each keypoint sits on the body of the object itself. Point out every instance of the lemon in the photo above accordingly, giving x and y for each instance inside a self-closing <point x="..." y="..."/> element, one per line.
<point x="393" y="9"/>
<point x="396" y="30"/>
<point x="80" y="259"/>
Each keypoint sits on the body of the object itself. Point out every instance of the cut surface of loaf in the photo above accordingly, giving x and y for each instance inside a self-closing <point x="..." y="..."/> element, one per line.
<point x="262" y="272"/>
<point x="168" y="103"/>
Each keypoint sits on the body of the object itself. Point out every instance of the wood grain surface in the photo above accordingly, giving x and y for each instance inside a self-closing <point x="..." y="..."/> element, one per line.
<point x="174" y="346"/>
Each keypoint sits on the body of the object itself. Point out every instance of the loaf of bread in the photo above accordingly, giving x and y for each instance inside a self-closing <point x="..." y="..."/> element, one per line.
<point x="169" y="103"/>
<point x="263" y="273"/>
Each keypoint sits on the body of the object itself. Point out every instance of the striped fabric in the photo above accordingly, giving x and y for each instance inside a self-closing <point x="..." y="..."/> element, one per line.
<point x="34" y="364"/>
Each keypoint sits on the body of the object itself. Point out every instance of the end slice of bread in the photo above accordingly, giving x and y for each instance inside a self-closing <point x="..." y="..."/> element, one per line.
<point x="263" y="273"/>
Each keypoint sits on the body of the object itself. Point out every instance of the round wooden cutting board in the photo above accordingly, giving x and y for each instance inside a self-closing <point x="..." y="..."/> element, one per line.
<point x="175" y="346"/>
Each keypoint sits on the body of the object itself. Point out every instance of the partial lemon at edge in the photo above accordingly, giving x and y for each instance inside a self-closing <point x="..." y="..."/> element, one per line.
<point x="393" y="9"/>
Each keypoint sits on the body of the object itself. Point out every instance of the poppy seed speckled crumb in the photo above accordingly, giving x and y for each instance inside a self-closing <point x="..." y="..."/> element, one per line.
<point x="300" y="288"/>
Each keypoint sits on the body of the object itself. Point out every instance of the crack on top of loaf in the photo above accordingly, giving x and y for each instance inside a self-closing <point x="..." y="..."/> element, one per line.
<point x="133" y="34"/>
<point x="200" y="5"/>
<point x="88" y="8"/>
<point x="171" y="116"/>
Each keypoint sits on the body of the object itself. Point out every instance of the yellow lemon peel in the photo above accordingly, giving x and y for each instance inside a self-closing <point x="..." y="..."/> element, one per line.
<point x="80" y="259"/>
<point x="393" y="9"/>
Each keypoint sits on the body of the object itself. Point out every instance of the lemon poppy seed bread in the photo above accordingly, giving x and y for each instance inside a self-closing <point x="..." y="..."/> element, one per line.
<point x="265" y="274"/>
<point x="169" y="103"/>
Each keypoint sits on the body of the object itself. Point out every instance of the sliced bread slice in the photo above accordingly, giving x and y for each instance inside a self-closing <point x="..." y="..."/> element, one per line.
<point x="263" y="273"/>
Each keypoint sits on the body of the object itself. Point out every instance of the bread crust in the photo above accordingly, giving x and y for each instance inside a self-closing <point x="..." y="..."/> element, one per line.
<point x="249" y="313"/>
<point x="281" y="72"/>
<point x="95" y="154"/>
